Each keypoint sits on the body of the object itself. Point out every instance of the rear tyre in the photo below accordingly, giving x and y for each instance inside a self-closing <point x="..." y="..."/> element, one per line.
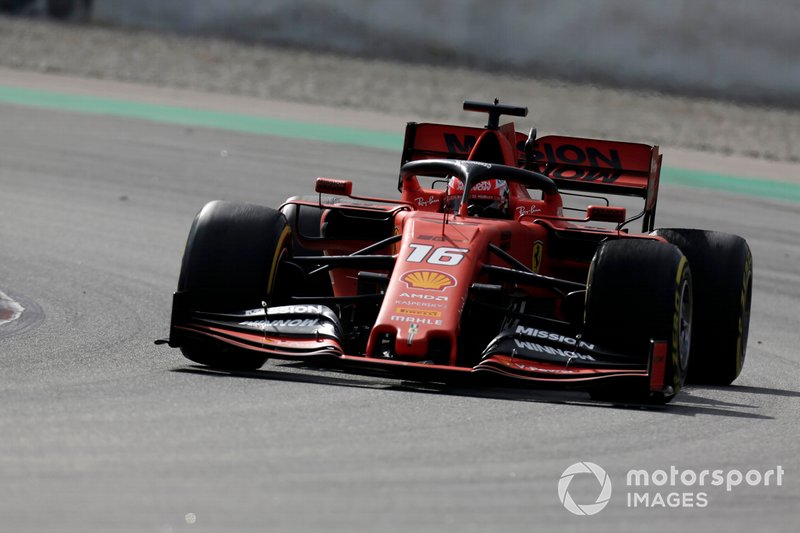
<point x="640" y="290"/>
<point x="231" y="263"/>
<point x="307" y="221"/>
<point x="722" y="266"/>
<point x="304" y="220"/>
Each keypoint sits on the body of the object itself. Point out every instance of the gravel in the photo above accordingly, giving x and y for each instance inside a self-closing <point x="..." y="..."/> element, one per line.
<point x="409" y="90"/>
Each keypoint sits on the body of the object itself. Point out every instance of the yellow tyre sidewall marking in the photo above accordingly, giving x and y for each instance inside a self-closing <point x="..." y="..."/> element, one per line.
<point x="676" y="326"/>
<point x="279" y="249"/>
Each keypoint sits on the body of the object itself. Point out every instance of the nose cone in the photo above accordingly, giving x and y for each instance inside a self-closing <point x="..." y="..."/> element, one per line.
<point x="421" y="312"/>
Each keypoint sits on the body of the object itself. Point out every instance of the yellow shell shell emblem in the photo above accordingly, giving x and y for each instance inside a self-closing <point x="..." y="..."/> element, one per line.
<point x="428" y="279"/>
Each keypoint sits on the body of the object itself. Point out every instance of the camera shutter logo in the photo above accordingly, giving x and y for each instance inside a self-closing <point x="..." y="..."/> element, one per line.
<point x="584" y="468"/>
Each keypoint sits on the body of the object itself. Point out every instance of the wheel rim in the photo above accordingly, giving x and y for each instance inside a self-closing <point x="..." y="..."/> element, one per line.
<point x="685" y="324"/>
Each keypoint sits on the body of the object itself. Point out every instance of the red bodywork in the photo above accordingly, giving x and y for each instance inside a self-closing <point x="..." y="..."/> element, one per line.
<point x="441" y="257"/>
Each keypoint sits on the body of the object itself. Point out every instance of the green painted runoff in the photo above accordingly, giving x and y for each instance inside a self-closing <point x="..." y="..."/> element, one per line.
<point x="749" y="186"/>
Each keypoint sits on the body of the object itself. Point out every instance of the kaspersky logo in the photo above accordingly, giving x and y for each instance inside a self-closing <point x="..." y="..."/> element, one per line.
<point x="428" y="279"/>
<point x="603" y="481"/>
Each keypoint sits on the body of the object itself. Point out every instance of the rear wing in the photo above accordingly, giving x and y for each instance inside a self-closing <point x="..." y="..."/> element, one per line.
<point x="574" y="163"/>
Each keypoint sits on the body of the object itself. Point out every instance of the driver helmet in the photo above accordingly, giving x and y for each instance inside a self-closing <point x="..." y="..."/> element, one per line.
<point x="488" y="198"/>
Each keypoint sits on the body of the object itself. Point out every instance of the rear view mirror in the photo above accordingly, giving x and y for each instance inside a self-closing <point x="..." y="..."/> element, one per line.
<point x="332" y="186"/>
<point x="602" y="213"/>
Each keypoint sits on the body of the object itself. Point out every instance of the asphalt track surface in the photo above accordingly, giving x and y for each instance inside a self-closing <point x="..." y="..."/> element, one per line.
<point x="100" y="430"/>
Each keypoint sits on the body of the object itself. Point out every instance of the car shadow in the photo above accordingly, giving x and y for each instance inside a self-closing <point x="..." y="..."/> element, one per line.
<point x="745" y="389"/>
<point x="691" y="401"/>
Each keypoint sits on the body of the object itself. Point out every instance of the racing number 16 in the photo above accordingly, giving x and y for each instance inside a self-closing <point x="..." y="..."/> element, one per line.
<point x="441" y="256"/>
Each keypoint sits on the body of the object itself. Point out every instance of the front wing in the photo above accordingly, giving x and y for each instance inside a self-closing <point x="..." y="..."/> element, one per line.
<point x="313" y="332"/>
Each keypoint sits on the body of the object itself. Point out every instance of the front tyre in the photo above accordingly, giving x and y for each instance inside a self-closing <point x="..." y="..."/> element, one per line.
<point x="231" y="263"/>
<point x="640" y="290"/>
<point x="722" y="266"/>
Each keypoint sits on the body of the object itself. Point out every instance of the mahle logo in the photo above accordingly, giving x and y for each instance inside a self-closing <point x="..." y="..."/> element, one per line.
<point x="589" y="508"/>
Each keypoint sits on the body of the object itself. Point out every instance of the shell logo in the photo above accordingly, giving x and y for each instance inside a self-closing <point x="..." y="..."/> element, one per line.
<point x="428" y="279"/>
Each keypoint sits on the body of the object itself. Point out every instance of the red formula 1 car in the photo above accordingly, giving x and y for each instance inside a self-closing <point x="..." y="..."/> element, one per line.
<point x="482" y="268"/>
